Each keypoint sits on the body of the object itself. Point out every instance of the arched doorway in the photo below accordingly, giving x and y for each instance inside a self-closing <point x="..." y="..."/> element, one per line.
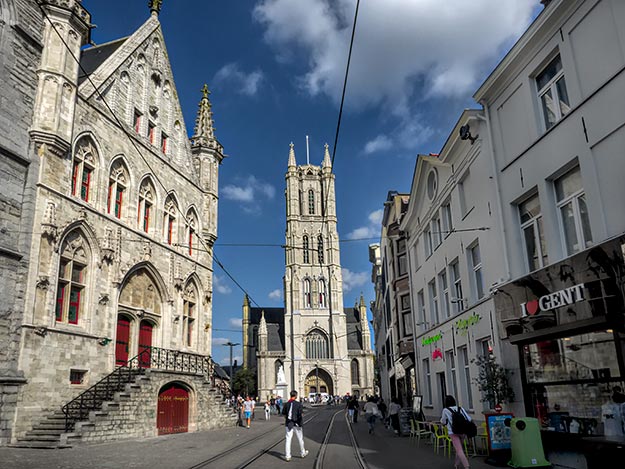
<point x="318" y="380"/>
<point x="122" y="340"/>
<point x="173" y="409"/>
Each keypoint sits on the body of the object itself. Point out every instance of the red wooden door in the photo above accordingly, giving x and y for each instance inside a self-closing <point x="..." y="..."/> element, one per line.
<point x="145" y="343"/>
<point x="173" y="410"/>
<point x="122" y="342"/>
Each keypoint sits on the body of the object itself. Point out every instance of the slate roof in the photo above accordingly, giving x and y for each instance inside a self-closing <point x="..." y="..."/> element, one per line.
<point x="92" y="58"/>
<point x="274" y="317"/>
<point x="220" y="372"/>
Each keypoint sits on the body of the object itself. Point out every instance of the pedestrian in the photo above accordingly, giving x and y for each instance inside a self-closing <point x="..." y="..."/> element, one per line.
<point x="267" y="410"/>
<point x="279" y="404"/>
<point x="254" y="401"/>
<point x="456" y="439"/>
<point x="248" y="408"/>
<point x="383" y="410"/>
<point x="272" y="403"/>
<point x="352" y="409"/>
<point x="294" y="422"/>
<point x="371" y="413"/>
<point x="393" y="412"/>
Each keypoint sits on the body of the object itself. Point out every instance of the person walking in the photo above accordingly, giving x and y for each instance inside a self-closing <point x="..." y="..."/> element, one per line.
<point x="248" y="408"/>
<point x="371" y="412"/>
<point x="267" y="411"/>
<point x="294" y="422"/>
<point x="352" y="409"/>
<point x="456" y="440"/>
<point x="393" y="412"/>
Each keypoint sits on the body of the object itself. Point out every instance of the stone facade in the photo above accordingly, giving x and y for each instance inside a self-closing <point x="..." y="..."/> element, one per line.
<point x="124" y="209"/>
<point x="20" y="53"/>
<point x="321" y="346"/>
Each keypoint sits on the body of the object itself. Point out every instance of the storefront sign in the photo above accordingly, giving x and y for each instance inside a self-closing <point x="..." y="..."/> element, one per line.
<point x="431" y="339"/>
<point x="565" y="297"/>
<point x="437" y="354"/>
<point x="462" y="325"/>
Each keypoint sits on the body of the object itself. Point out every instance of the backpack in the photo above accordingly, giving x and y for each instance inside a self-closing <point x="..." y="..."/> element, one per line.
<point x="460" y="425"/>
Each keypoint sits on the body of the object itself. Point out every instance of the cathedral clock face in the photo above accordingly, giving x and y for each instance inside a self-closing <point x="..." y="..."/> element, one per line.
<point x="432" y="184"/>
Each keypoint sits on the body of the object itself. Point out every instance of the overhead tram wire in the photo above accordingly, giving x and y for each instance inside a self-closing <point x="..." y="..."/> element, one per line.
<point x="134" y="144"/>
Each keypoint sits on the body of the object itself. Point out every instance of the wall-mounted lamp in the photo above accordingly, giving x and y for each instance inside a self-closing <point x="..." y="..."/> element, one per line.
<point x="104" y="341"/>
<point x="465" y="134"/>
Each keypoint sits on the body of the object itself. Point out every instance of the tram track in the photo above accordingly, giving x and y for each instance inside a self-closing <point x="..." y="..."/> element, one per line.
<point x="229" y="451"/>
<point x="319" y="461"/>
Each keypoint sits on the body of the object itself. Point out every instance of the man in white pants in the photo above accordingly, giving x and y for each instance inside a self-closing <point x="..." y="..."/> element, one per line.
<point x="294" y="422"/>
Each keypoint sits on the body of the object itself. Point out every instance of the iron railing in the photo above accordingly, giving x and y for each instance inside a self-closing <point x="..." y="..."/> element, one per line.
<point x="151" y="357"/>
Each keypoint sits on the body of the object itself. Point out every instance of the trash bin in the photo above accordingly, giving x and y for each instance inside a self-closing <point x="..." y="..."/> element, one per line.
<point x="526" y="444"/>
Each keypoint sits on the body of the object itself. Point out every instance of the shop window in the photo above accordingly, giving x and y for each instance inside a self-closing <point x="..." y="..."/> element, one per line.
<point x="533" y="233"/>
<point x="77" y="376"/>
<point x="571" y="202"/>
<point x="450" y="362"/>
<point x="427" y="381"/>
<point x="552" y="93"/>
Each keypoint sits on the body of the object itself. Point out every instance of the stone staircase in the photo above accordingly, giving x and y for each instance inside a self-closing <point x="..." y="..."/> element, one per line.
<point x="123" y="403"/>
<point x="112" y="421"/>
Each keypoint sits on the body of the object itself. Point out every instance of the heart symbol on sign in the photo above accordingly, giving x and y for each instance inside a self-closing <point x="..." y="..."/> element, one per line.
<point x="531" y="307"/>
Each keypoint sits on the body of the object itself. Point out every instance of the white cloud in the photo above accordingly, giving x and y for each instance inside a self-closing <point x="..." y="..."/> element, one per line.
<point x="353" y="280"/>
<point x="235" y="358"/>
<point x="236" y="322"/>
<point x="372" y="230"/>
<point x="275" y="294"/>
<point x="220" y="286"/>
<point x="400" y="45"/>
<point x="245" y="83"/>
<point x="380" y="143"/>
<point x="249" y="191"/>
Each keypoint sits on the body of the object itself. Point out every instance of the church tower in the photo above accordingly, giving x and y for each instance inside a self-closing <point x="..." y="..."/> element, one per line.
<point x="315" y="323"/>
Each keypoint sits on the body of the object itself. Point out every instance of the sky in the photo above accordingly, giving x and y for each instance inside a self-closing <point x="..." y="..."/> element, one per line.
<point x="276" y="69"/>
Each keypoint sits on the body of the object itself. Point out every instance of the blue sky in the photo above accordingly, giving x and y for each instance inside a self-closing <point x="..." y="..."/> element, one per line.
<point x="275" y="69"/>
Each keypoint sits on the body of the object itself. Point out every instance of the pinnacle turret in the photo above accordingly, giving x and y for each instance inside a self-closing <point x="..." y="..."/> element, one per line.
<point x="204" y="131"/>
<point x="327" y="162"/>
<point x="292" y="162"/>
<point x="262" y="328"/>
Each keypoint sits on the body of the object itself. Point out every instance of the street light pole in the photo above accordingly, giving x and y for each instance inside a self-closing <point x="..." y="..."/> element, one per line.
<point x="230" y="344"/>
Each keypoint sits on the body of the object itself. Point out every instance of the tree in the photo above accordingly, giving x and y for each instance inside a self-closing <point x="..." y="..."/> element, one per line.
<point x="244" y="382"/>
<point x="493" y="381"/>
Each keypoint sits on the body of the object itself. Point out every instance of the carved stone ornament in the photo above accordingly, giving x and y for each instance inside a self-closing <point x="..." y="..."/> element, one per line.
<point x="41" y="331"/>
<point x="104" y="298"/>
<point x="43" y="282"/>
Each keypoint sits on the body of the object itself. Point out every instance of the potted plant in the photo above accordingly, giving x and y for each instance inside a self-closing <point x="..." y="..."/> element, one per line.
<point x="492" y="381"/>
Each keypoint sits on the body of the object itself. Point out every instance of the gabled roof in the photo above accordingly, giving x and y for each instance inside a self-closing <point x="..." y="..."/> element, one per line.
<point x="92" y="58"/>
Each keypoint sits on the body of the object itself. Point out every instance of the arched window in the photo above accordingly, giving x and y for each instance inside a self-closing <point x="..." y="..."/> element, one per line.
<point x="311" y="202"/>
<point x="169" y="220"/>
<point x="118" y="180"/>
<point x="320" y="249"/>
<point x="316" y="345"/>
<point x="191" y="230"/>
<point x="73" y="268"/>
<point x="82" y="168"/>
<point x="306" y="248"/>
<point x="307" y="302"/>
<point x="322" y="294"/>
<point x="189" y="314"/>
<point x="123" y="96"/>
<point x="355" y="372"/>
<point x="147" y="195"/>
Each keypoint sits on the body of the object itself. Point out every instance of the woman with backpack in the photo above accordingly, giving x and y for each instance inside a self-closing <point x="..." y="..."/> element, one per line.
<point x="458" y="426"/>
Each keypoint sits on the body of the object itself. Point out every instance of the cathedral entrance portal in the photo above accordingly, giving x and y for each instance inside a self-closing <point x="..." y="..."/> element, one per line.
<point x="318" y="380"/>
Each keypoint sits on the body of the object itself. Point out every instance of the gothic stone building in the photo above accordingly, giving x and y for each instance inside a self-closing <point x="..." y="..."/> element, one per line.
<point x="322" y="346"/>
<point x="124" y="219"/>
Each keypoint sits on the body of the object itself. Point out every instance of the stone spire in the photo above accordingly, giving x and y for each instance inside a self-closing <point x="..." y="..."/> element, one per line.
<point x="204" y="131"/>
<point x="327" y="162"/>
<point x="362" y="301"/>
<point x="155" y="6"/>
<point x="292" y="162"/>
<point x="262" y="328"/>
